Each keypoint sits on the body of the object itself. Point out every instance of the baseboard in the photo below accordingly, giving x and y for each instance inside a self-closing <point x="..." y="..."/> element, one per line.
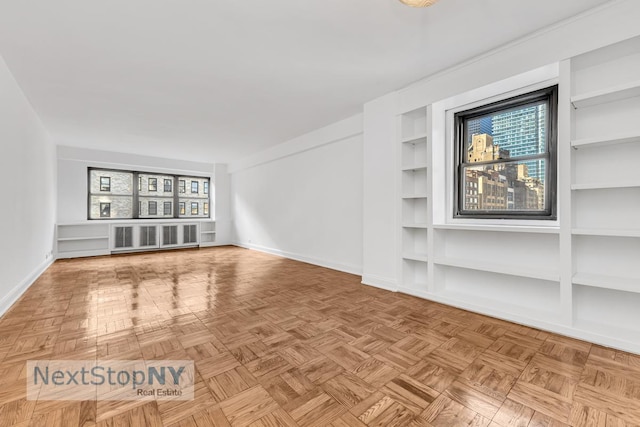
<point x="345" y="268"/>
<point x="380" y="282"/>
<point x="15" y="293"/>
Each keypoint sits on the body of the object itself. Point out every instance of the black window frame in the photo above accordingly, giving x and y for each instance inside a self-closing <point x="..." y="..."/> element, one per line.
<point x="105" y="205"/>
<point x="197" y="205"/>
<point x="550" y="96"/>
<point x="155" y="185"/>
<point x="153" y="211"/>
<point x="165" y="210"/>
<point x="197" y="186"/>
<point x="137" y="198"/>
<point x="182" y="186"/>
<point x="205" y="188"/>
<point x="168" y="183"/>
<point x="107" y="185"/>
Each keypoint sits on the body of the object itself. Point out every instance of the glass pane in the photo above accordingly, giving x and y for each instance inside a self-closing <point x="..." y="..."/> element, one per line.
<point x="511" y="133"/>
<point x="111" y="205"/>
<point x="153" y="207"/>
<point x="155" y="185"/>
<point x="105" y="210"/>
<point x="193" y="208"/>
<point x="503" y="187"/>
<point x="105" y="183"/>
<point x="194" y="187"/>
<point x="111" y="182"/>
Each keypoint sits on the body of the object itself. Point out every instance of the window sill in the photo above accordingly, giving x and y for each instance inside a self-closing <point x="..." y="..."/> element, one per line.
<point x="529" y="228"/>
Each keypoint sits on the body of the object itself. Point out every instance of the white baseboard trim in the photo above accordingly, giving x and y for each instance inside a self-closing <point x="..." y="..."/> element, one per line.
<point x="14" y="294"/>
<point x="345" y="268"/>
<point x="380" y="282"/>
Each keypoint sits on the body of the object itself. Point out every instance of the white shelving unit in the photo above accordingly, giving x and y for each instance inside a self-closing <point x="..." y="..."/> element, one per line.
<point x="606" y="192"/>
<point x="74" y="241"/>
<point x="414" y="180"/>
<point x="600" y="141"/>
<point x="95" y="238"/>
<point x="577" y="277"/>
<point x="500" y="268"/>
<point x="609" y="94"/>
<point x="207" y="233"/>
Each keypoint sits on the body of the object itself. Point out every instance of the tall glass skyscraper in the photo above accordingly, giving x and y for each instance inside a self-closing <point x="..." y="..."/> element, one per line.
<point x="523" y="133"/>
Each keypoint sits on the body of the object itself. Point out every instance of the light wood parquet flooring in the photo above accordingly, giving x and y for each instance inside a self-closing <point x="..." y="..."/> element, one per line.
<point x="282" y="343"/>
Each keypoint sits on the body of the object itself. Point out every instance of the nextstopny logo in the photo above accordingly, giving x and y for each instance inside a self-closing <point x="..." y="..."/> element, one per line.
<point x="110" y="379"/>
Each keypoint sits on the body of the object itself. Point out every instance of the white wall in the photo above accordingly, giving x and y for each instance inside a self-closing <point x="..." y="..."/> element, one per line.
<point x="72" y="181"/>
<point x="27" y="171"/>
<point x="303" y="199"/>
<point x="380" y="193"/>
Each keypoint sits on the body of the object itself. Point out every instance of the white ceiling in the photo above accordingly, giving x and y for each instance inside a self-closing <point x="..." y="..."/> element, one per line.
<point x="216" y="80"/>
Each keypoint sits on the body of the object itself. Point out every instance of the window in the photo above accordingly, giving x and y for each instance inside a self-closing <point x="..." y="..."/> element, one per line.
<point x="105" y="210"/>
<point x="205" y="209"/>
<point x="194" y="186"/>
<point x="105" y="183"/>
<point x="194" y="208"/>
<point x="114" y="201"/>
<point x="506" y="158"/>
<point x="117" y="194"/>
<point x="205" y="187"/>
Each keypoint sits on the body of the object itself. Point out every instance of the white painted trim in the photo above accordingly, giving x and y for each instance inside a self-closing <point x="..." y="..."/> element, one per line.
<point x="386" y="283"/>
<point x="569" y="331"/>
<point x="15" y="293"/>
<point x="335" y="132"/>
<point x="345" y="268"/>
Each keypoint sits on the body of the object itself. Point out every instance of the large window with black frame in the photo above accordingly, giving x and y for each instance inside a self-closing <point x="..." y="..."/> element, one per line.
<point x="506" y="158"/>
<point x="113" y="195"/>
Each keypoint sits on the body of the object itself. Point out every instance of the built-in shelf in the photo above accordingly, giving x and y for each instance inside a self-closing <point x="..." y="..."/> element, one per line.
<point x="73" y="239"/>
<point x="415" y="225"/>
<point x="605" y="185"/>
<point x="628" y="284"/>
<point x="496" y="308"/>
<point x="606" y="232"/>
<point x="414" y="139"/>
<point x="606" y="140"/>
<point x="415" y="257"/>
<point x="615" y="93"/>
<point x="512" y="270"/>
<point x="414" y="196"/>
<point x="503" y="228"/>
<point x="414" y="168"/>
<point x="618" y="336"/>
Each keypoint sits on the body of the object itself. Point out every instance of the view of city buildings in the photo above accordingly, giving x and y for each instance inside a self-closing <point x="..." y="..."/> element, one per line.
<point x="112" y="196"/>
<point x="506" y="135"/>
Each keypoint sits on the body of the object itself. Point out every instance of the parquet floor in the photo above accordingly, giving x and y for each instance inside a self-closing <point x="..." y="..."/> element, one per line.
<point x="282" y="343"/>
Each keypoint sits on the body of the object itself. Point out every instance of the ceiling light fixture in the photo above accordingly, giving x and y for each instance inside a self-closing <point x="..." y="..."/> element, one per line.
<point x="419" y="3"/>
